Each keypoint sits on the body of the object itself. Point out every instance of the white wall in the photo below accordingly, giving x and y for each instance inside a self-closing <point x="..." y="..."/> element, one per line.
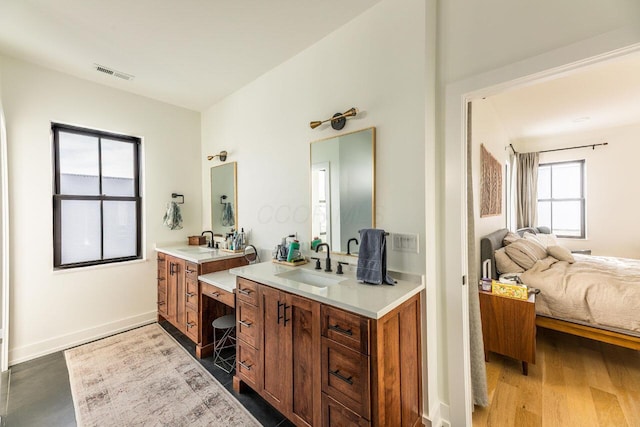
<point x="53" y="310"/>
<point x="487" y="130"/>
<point x="376" y="63"/>
<point x="611" y="176"/>
<point x="483" y="45"/>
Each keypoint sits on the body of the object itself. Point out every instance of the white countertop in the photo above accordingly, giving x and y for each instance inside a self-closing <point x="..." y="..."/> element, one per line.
<point x="373" y="301"/>
<point x="222" y="279"/>
<point x="197" y="254"/>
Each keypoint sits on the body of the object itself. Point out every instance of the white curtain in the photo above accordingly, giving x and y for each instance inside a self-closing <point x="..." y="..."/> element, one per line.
<point x="4" y="245"/>
<point x="478" y="367"/>
<point x="527" y="189"/>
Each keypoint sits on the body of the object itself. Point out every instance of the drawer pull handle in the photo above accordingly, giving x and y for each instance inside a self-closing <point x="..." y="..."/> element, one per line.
<point x="190" y="324"/>
<point x="280" y="304"/>
<point x="161" y="303"/>
<point x="244" y="291"/>
<point x="245" y="324"/>
<point x="340" y="330"/>
<point x="216" y="294"/>
<point x="247" y="367"/>
<point x="161" y="279"/>
<point x="286" y="307"/>
<point x="190" y="271"/>
<point x="336" y="374"/>
<point x="190" y="295"/>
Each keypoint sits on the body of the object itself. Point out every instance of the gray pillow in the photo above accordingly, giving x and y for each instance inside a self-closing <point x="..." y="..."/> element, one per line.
<point x="525" y="253"/>
<point x="561" y="253"/>
<point x="504" y="264"/>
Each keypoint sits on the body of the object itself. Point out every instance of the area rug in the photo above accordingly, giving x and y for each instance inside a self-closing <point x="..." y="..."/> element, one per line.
<point x="143" y="377"/>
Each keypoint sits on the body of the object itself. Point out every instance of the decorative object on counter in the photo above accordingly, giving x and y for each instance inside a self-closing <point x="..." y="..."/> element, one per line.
<point x="251" y="254"/>
<point x="176" y="195"/>
<point x="222" y="155"/>
<point x="372" y="258"/>
<point x="338" y="120"/>
<point x="197" y="240"/>
<point x="288" y="252"/>
<point x="173" y="217"/>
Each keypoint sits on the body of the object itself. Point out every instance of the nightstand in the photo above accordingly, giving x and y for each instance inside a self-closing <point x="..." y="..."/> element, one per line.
<point x="509" y="327"/>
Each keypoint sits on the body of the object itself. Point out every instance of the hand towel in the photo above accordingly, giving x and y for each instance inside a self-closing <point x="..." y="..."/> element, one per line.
<point x="227" y="215"/>
<point x="372" y="257"/>
<point x="173" y="217"/>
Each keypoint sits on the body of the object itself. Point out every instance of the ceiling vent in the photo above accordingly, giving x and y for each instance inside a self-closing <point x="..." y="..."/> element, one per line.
<point x="112" y="72"/>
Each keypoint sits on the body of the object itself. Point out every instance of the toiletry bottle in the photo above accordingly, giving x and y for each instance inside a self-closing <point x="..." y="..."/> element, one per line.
<point x="315" y="242"/>
<point x="294" y="251"/>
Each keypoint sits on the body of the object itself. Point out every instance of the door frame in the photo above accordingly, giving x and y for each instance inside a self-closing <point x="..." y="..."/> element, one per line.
<point x="546" y="66"/>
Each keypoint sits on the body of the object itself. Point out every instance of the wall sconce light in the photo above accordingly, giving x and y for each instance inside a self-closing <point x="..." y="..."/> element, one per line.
<point x="222" y="155"/>
<point x="338" y="120"/>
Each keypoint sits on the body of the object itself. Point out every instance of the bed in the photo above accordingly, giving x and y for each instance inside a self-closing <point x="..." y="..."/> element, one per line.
<point x="595" y="297"/>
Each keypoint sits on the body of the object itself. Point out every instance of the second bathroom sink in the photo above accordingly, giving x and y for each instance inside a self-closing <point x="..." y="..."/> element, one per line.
<point x="319" y="280"/>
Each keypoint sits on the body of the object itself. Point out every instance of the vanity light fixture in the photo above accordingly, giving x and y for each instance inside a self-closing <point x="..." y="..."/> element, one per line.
<point x="338" y="120"/>
<point x="222" y="155"/>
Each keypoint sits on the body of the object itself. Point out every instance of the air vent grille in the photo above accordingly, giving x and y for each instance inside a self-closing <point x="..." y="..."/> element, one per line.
<point x="112" y="72"/>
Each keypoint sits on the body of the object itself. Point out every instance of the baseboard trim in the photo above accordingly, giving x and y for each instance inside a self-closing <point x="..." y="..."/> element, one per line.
<point x="63" y="342"/>
<point x="438" y="416"/>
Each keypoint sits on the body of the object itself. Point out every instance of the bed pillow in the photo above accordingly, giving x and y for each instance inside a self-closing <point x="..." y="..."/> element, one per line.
<point x="525" y="252"/>
<point x="510" y="238"/>
<point x="545" y="240"/>
<point x="504" y="264"/>
<point x="561" y="253"/>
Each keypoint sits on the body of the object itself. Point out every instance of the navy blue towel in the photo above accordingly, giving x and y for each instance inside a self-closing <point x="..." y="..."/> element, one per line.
<point x="372" y="257"/>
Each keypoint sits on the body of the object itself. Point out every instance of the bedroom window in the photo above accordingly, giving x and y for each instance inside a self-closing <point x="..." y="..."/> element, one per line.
<point x="561" y="202"/>
<point x="96" y="199"/>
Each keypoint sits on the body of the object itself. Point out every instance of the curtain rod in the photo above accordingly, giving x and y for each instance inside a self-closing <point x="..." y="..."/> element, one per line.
<point x="593" y="147"/>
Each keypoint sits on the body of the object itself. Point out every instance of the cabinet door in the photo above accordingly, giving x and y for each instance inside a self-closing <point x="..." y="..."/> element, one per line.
<point x="162" y="285"/>
<point x="302" y="318"/>
<point x="175" y="292"/>
<point x="276" y="348"/>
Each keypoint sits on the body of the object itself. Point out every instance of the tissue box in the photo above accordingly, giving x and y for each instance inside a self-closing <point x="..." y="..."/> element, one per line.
<point x="509" y="290"/>
<point x="197" y="240"/>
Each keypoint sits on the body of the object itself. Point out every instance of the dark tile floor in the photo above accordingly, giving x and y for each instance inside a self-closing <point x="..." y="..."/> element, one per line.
<point x="39" y="392"/>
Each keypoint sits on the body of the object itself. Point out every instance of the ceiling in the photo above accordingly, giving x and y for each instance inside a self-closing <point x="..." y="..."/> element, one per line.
<point x="190" y="53"/>
<point x="600" y="96"/>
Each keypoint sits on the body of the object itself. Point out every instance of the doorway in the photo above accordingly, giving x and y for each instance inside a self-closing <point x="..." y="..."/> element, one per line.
<point x="458" y="95"/>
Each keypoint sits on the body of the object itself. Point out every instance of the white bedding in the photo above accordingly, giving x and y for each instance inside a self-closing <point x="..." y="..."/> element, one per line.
<point x="600" y="291"/>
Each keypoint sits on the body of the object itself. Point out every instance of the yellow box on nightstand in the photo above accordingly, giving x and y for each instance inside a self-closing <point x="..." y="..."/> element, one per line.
<point x="509" y="290"/>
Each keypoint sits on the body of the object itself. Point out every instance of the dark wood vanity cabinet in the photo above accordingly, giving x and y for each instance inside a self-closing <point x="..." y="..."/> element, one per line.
<point x="180" y="301"/>
<point x="320" y="365"/>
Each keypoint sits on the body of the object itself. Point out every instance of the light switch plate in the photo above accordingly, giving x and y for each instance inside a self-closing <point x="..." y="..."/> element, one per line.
<point x="404" y="242"/>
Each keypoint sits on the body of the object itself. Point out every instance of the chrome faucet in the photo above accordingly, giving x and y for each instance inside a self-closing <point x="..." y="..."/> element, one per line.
<point x="210" y="244"/>
<point x="327" y="266"/>
<point x="349" y="244"/>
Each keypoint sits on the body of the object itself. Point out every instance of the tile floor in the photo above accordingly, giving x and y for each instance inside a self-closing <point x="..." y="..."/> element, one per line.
<point x="39" y="392"/>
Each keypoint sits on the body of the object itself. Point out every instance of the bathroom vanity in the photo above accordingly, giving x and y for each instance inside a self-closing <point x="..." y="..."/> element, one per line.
<point x="326" y="350"/>
<point x="186" y="303"/>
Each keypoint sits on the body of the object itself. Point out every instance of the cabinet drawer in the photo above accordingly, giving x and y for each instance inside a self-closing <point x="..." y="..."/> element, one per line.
<point x="247" y="291"/>
<point x="191" y="327"/>
<point x="336" y="415"/>
<point x="346" y="328"/>
<point x="225" y="297"/>
<point x="345" y="377"/>
<point x="191" y="294"/>
<point x="191" y="271"/>
<point x="247" y="363"/>
<point x="247" y="326"/>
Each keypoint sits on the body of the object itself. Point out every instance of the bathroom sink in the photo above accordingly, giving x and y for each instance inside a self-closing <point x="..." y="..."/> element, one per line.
<point x="319" y="280"/>
<point x="195" y="250"/>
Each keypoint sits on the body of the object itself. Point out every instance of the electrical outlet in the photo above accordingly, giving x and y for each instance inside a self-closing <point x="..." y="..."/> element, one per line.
<point x="405" y="242"/>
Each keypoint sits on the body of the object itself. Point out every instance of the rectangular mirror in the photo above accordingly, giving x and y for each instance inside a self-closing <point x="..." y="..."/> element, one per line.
<point x="224" y="198"/>
<point x="343" y="188"/>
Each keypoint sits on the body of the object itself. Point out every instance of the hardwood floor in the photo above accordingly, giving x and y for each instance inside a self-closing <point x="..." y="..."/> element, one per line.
<point x="575" y="382"/>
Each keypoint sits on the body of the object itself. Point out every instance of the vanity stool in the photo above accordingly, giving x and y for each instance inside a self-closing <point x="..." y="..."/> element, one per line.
<point x="227" y="341"/>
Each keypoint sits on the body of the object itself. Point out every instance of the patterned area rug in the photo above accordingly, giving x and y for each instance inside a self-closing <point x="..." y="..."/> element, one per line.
<point x="144" y="377"/>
